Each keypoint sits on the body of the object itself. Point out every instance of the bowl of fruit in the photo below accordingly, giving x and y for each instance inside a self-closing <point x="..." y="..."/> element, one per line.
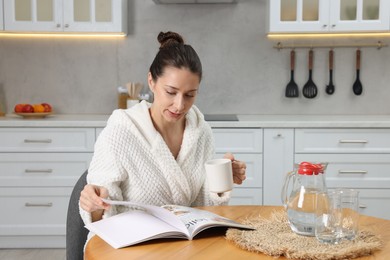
<point x="40" y="110"/>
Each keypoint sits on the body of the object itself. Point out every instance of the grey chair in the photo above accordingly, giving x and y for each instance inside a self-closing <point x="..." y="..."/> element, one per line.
<point x="76" y="233"/>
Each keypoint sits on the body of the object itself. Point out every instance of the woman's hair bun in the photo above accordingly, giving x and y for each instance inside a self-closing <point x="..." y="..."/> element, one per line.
<point x="169" y="38"/>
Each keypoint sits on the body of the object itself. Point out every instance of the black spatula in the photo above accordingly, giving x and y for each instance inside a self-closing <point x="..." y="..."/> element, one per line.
<point x="292" y="87"/>
<point x="310" y="89"/>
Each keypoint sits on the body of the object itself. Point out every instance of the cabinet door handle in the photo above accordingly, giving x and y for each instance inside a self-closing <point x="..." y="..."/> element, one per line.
<point x="362" y="206"/>
<point x="353" y="141"/>
<point x="58" y="25"/>
<point x="66" y="25"/>
<point x="352" y="171"/>
<point x="28" y="204"/>
<point x="46" y="141"/>
<point x="38" y="170"/>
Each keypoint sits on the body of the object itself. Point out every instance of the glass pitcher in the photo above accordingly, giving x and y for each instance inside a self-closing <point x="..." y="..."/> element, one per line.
<point x="307" y="179"/>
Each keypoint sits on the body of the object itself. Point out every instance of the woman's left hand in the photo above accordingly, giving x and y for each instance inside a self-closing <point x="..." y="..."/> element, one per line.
<point x="239" y="169"/>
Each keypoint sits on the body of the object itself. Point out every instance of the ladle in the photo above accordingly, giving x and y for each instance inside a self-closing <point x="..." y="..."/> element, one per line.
<point x="330" y="88"/>
<point x="357" y="85"/>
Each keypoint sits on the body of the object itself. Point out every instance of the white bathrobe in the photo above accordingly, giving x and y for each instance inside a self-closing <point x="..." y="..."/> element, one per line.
<point x="134" y="163"/>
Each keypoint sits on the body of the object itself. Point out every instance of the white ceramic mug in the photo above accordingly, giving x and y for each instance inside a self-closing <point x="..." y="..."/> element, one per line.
<point x="219" y="175"/>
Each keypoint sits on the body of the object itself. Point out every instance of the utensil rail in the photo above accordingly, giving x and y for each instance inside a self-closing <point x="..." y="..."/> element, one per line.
<point x="377" y="45"/>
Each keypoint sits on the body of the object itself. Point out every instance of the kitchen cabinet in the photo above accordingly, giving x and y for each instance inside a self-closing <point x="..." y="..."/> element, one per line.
<point x="40" y="161"/>
<point x="1" y="16"/>
<point x="357" y="158"/>
<point x="327" y="16"/>
<point x="38" y="169"/>
<point x="195" y="1"/>
<point x="278" y="161"/>
<point x="107" y="16"/>
<point x="247" y="145"/>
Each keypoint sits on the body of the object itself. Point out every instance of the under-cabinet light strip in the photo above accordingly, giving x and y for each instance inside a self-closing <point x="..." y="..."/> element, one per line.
<point x="63" y="35"/>
<point x="328" y="35"/>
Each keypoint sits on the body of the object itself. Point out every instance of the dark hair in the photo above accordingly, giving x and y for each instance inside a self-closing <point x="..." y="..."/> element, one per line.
<point x="174" y="53"/>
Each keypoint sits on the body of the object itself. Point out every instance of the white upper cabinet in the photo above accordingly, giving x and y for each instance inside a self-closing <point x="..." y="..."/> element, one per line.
<point x="360" y="15"/>
<point x="329" y="15"/>
<point x="95" y="15"/>
<point x="108" y="16"/>
<point x="1" y="16"/>
<point x="33" y="15"/>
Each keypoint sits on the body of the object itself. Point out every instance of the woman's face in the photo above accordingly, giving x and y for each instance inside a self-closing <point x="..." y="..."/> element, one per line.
<point x="174" y="93"/>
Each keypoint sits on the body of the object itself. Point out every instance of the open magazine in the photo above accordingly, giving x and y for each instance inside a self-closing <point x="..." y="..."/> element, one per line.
<point x="146" y="222"/>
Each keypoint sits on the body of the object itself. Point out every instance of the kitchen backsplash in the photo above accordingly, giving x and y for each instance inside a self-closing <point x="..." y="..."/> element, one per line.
<point x="243" y="73"/>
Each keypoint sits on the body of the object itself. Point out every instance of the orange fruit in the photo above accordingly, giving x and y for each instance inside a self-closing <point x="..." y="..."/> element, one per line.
<point x="38" y="108"/>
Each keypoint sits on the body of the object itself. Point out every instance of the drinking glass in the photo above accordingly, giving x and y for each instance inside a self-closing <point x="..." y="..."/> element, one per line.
<point x="349" y="205"/>
<point x="328" y="217"/>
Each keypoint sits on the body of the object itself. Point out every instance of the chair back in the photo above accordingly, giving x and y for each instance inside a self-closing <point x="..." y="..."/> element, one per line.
<point x="76" y="233"/>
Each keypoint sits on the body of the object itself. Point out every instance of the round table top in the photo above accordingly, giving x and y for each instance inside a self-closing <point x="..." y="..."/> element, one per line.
<point x="211" y="244"/>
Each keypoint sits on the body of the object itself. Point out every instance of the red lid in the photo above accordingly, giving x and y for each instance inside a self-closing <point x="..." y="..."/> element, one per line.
<point x="307" y="168"/>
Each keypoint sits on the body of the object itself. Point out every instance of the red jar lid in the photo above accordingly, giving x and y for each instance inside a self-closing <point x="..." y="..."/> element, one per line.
<point x="308" y="168"/>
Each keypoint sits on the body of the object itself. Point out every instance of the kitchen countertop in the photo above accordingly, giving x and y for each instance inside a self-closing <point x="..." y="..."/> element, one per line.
<point x="249" y="121"/>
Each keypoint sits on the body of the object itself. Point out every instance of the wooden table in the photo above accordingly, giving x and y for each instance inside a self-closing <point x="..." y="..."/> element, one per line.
<point x="211" y="244"/>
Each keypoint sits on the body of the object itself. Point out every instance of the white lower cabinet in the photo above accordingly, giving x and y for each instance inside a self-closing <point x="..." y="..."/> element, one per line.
<point x="375" y="202"/>
<point x="246" y="145"/>
<point x="33" y="217"/>
<point x="38" y="170"/>
<point x="247" y="196"/>
<point x="40" y="165"/>
<point x="278" y="160"/>
<point x="357" y="158"/>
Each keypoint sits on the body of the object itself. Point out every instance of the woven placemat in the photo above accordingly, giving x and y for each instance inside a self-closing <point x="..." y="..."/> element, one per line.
<point x="274" y="237"/>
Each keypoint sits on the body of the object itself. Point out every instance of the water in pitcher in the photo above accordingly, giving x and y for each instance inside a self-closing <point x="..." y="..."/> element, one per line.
<point x="301" y="212"/>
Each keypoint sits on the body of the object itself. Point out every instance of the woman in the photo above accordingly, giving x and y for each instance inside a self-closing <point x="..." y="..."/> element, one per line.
<point x="155" y="153"/>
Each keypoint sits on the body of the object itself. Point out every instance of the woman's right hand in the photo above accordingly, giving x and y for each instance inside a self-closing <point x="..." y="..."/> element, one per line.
<point x="91" y="200"/>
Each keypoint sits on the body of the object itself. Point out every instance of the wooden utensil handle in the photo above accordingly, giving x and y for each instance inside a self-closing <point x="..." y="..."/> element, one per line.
<point x="358" y="59"/>
<point x="292" y="59"/>
<point x="331" y="59"/>
<point x="310" y="59"/>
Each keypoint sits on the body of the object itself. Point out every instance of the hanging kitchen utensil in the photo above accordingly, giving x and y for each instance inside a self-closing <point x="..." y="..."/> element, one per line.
<point x="310" y="89"/>
<point x="330" y="88"/>
<point x="357" y="85"/>
<point x="292" y="87"/>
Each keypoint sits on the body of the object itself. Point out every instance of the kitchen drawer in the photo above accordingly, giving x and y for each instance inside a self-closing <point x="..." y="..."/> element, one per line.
<point x="238" y="140"/>
<point x="98" y="131"/>
<point x="246" y="196"/>
<point x="353" y="170"/>
<point x="42" y="169"/>
<point x="33" y="211"/>
<point x="254" y="169"/>
<point x="375" y="202"/>
<point x="47" y="139"/>
<point x="342" y="140"/>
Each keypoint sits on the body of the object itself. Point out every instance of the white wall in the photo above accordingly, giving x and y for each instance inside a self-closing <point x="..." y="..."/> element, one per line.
<point x="243" y="73"/>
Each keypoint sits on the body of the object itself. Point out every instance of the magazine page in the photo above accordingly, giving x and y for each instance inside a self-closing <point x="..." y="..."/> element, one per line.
<point x="133" y="227"/>
<point x="197" y="220"/>
<point x="159" y="212"/>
